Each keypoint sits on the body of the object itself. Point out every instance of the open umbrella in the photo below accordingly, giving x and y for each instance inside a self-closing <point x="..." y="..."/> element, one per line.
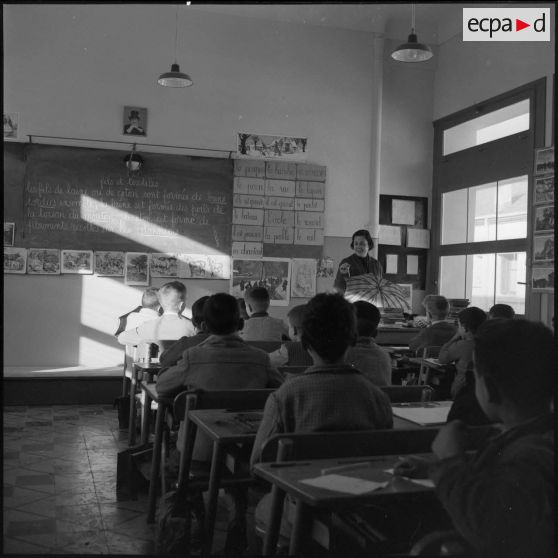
<point x="377" y="290"/>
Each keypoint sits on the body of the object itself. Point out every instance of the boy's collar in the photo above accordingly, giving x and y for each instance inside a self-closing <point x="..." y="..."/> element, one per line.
<point x="259" y="315"/>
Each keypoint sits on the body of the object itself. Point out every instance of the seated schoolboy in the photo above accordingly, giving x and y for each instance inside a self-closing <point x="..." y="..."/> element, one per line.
<point x="149" y="310"/>
<point x="223" y="361"/>
<point x="331" y="395"/>
<point x="440" y="330"/>
<point x="459" y="349"/>
<point x="261" y="326"/>
<point x="371" y="359"/>
<point x="292" y="353"/>
<point x="501" y="311"/>
<point x="502" y="498"/>
<point x="172" y="354"/>
<point x="170" y="325"/>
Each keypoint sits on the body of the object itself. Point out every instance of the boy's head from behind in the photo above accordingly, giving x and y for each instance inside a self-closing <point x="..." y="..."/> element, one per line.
<point x="329" y="326"/>
<point x="471" y="318"/>
<point x="368" y="317"/>
<point x="257" y="300"/>
<point x="295" y="317"/>
<point x="501" y="311"/>
<point x="436" y="306"/>
<point x="149" y="299"/>
<point x="515" y="364"/>
<point x="172" y="296"/>
<point x="197" y="313"/>
<point x="221" y="314"/>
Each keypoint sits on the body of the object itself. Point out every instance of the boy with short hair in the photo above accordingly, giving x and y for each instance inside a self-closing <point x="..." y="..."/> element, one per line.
<point x="330" y="395"/>
<point x="501" y="499"/>
<point x="149" y="310"/>
<point x="292" y="353"/>
<point x="440" y="330"/>
<point x="172" y="354"/>
<point x="371" y="359"/>
<point x="459" y="348"/>
<point x="261" y="326"/>
<point x="501" y="311"/>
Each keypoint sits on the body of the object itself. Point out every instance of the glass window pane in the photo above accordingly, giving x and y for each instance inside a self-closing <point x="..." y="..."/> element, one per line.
<point x="511" y="273"/>
<point x="489" y="127"/>
<point x="480" y="280"/>
<point x="512" y="208"/>
<point x="454" y="217"/>
<point x="482" y="213"/>
<point x="452" y="276"/>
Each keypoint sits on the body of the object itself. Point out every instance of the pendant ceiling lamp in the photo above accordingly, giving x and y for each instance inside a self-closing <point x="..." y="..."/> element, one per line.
<point x="412" y="50"/>
<point x="133" y="161"/>
<point x="175" y="78"/>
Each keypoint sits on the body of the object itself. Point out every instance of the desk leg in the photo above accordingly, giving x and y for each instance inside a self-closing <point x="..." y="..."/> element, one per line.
<point x="274" y="526"/>
<point x="217" y="463"/>
<point x="155" y="464"/>
<point x="132" y="416"/>
<point x="300" y="526"/>
<point x="145" y="416"/>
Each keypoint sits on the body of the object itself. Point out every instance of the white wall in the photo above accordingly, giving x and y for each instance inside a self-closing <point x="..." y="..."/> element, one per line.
<point x="69" y="71"/>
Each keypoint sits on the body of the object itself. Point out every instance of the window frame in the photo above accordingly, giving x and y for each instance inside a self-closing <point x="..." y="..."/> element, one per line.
<point x="495" y="161"/>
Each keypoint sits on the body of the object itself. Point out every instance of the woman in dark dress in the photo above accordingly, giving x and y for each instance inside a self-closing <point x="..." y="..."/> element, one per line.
<point x="359" y="262"/>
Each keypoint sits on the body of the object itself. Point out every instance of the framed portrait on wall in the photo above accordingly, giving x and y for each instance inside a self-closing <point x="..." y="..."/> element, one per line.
<point x="134" y="121"/>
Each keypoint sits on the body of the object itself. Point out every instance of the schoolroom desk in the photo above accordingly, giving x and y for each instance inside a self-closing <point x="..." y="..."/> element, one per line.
<point x="289" y="477"/>
<point x="401" y="336"/>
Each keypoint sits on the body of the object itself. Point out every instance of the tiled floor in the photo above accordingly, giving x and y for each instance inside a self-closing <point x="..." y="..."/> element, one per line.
<point x="60" y="485"/>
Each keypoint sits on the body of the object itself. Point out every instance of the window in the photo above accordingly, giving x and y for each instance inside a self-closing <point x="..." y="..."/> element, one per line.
<point x="489" y="127"/>
<point x="482" y="194"/>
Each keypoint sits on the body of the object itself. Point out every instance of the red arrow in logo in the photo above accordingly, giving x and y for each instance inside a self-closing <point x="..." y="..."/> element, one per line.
<point x="519" y="25"/>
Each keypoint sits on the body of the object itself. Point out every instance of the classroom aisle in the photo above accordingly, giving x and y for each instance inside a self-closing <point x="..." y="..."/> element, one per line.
<point x="60" y="485"/>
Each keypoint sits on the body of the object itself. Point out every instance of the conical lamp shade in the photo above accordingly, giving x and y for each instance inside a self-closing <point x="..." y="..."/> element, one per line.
<point x="175" y="78"/>
<point x="412" y="51"/>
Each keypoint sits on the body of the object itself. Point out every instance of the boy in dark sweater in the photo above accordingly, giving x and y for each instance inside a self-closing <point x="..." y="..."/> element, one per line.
<point x="502" y="499"/>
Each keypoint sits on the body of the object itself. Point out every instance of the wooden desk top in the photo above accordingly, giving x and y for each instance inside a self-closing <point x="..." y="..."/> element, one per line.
<point x="409" y="415"/>
<point x="227" y="426"/>
<point x="151" y="390"/>
<point x="288" y="477"/>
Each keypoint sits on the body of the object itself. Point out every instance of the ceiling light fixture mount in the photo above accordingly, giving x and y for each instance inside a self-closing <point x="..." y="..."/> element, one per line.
<point x="134" y="161"/>
<point x="175" y="78"/>
<point x="412" y="50"/>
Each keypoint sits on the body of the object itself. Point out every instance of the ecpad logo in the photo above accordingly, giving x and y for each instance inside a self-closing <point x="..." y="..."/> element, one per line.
<point x="506" y="24"/>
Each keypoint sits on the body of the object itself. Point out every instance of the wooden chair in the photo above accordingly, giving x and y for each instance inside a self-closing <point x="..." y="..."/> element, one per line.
<point x="408" y="394"/>
<point x="200" y="481"/>
<point x="424" y="370"/>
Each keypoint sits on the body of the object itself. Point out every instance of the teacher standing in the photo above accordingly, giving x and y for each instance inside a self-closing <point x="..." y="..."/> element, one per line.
<point x="358" y="263"/>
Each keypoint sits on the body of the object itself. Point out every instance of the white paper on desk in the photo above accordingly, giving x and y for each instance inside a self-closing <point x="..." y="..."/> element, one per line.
<point x="391" y="263"/>
<point x="418" y="238"/>
<point x="403" y="212"/>
<point x="389" y="235"/>
<point x="423" y="415"/>
<point x="341" y="483"/>
<point x="412" y="264"/>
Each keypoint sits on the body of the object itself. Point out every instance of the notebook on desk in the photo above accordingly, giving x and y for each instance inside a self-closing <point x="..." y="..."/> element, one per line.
<point x="428" y="414"/>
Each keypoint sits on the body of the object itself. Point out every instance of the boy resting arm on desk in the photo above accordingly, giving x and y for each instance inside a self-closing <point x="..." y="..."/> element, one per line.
<point x="292" y="353"/>
<point x="501" y="500"/>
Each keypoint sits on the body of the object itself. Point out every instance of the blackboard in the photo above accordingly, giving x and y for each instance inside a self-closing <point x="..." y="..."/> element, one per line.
<point x="80" y="198"/>
<point x="14" y="170"/>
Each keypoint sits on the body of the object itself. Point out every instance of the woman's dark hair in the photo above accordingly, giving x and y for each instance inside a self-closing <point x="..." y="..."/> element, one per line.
<point x="329" y="326"/>
<point x="197" y="312"/>
<point x="471" y="318"/>
<point x="366" y="235"/>
<point x="519" y="357"/>
<point x="221" y="314"/>
<point x="368" y="317"/>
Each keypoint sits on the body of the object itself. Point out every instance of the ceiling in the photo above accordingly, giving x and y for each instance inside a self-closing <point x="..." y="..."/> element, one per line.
<point x="435" y="23"/>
